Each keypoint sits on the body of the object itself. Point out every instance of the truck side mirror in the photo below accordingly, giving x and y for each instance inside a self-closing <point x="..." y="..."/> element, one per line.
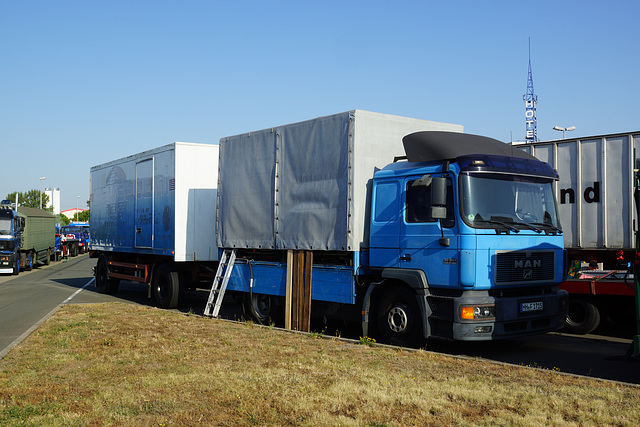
<point x="439" y="198"/>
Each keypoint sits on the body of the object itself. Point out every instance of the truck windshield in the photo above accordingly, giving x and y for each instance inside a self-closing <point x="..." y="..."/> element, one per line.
<point x="508" y="202"/>
<point x="5" y="225"/>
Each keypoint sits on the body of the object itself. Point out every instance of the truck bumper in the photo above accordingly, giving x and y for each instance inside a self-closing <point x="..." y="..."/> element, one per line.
<point x="7" y="262"/>
<point x="515" y="316"/>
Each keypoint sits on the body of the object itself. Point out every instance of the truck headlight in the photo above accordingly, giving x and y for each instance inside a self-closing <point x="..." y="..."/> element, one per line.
<point x="478" y="312"/>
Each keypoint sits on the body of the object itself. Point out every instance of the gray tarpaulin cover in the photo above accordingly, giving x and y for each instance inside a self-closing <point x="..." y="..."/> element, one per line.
<point x="304" y="185"/>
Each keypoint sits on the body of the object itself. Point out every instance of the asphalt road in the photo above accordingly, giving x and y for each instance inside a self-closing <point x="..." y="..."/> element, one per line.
<point x="29" y="298"/>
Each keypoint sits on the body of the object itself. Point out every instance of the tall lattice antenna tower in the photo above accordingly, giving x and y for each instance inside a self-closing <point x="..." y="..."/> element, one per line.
<point x="530" y="104"/>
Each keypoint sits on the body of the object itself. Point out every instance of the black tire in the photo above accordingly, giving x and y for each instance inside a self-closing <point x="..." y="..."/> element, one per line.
<point x="104" y="283"/>
<point x="166" y="287"/>
<point x="398" y="318"/>
<point x="74" y="250"/>
<point x="16" y="268"/>
<point x="583" y="317"/>
<point x="28" y="261"/>
<point x="258" y="307"/>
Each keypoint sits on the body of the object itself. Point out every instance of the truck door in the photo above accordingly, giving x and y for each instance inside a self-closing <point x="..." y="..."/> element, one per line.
<point x="144" y="204"/>
<point x="421" y="243"/>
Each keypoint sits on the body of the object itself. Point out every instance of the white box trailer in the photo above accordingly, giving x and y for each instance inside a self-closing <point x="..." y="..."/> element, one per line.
<point x="595" y="190"/>
<point x="327" y="180"/>
<point x="160" y="201"/>
<point x="152" y="213"/>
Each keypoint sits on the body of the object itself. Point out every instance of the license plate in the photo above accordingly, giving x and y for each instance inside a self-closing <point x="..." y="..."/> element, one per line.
<point x="530" y="306"/>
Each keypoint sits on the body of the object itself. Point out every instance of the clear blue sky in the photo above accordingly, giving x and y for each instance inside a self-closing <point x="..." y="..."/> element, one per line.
<point x="86" y="82"/>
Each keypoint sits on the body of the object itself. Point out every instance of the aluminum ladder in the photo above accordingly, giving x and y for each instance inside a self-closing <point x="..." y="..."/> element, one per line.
<point x="220" y="282"/>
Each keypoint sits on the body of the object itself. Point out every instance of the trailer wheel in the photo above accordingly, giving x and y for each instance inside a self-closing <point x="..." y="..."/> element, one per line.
<point x="399" y="319"/>
<point x="583" y="317"/>
<point x="28" y="261"/>
<point x="166" y="287"/>
<point x="258" y="306"/>
<point x="104" y="283"/>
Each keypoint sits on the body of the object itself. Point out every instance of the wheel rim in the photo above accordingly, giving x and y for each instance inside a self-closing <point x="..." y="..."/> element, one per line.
<point x="161" y="287"/>
<point x="261" y="306"/>
<point x="397" y="319"/>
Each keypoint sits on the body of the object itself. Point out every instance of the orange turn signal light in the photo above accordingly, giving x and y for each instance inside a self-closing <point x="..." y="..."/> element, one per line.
<point x="467" y="313"/>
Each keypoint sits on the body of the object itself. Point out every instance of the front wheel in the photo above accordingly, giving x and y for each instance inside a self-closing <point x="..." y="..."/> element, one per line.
<point x="28" y="261"/>
<point x="166" y="287"/>
<point x="104" y="283"/>
<point x="398" y="318"/>
<point x="16" y="268"/>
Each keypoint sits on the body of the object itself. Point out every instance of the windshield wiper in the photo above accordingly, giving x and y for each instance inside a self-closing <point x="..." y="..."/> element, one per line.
<point x="553" y="227"/>
<point x="504" y="224"/>
<point x="529" y="226"/>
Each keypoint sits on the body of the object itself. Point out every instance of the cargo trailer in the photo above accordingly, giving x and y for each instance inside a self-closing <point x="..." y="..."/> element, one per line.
<point x="153" y="219"/>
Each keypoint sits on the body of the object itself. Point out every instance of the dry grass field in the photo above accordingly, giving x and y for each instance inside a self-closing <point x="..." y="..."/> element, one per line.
<point x="118" y="364"/>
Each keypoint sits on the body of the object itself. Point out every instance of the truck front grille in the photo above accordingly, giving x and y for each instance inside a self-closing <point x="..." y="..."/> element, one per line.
<point x="516" y="267"/>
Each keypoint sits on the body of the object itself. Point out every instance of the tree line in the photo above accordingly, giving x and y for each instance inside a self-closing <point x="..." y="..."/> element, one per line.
<point x="37" y="198"/>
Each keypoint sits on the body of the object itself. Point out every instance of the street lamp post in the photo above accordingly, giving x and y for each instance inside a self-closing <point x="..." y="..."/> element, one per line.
<point x="560" y="128"/>
<point x="41" y="179"/>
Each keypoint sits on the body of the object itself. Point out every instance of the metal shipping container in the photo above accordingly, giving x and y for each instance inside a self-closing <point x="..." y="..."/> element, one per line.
<point x="161" y="202"/>
<point x="595" y="190"/>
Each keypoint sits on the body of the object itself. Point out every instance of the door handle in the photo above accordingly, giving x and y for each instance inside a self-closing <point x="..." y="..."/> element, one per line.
<point x="406" y="257"/>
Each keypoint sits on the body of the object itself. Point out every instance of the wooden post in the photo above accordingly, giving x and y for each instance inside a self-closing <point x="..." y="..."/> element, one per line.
<point x="301" y="301"/>
<point x="289" y="291"/>
<point x="306" y="294"/>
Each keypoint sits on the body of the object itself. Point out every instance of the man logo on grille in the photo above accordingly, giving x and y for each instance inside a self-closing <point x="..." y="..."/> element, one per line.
<point x="527" y="274"/>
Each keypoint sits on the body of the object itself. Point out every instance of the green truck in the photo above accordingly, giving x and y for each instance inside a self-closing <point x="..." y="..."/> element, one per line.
<point x="27" y="236"/>
<point x="38" y="237"/>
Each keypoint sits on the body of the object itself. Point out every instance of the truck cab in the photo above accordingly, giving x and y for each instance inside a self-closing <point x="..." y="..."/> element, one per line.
<point x="77" y="235"/>
<point x="11" y="227"/>
<point x="473" y="228"/>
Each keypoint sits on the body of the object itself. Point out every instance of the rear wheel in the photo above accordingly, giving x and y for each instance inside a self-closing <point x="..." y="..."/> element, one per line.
<point x="166" y="287"/>
<point x="104" y="283"/>
<point x="258" y="306"/>
<point x="398" y="318"/>
<point x="583" y="317"/>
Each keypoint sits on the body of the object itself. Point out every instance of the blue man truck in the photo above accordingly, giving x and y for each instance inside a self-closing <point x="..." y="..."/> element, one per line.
<point x="459" y="239"/>
<point x="27" y="237"/>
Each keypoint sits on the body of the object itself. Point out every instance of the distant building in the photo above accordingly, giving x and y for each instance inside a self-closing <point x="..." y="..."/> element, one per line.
<point x="54" y="199"/>
<point x="71" y="213"/>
